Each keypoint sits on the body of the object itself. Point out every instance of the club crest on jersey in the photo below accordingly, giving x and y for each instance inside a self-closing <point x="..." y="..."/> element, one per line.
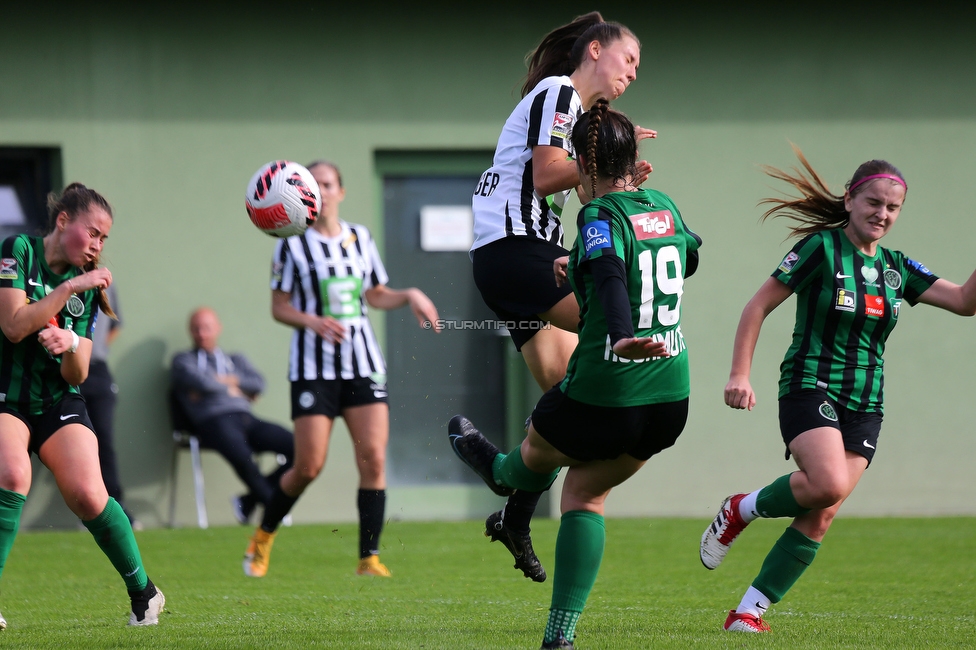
<point x="8" y="268"/>
<point x="892" y="279"/>
<point x="789" y="262"/>
<point x="845" y="300"/>
<point x="75" y="306"/>
<point x="596" y="236"/>
<point x="651" y="225"/>
<point x="562" y="125"/>
<point x="874" y="306"/>
<point x="827" y="411"/>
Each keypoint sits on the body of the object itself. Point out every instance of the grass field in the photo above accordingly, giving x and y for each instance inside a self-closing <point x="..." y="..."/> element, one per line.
<point x="877" y="583"/>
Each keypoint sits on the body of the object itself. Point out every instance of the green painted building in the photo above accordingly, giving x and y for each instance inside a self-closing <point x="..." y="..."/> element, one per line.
<point x="168" y="109"/>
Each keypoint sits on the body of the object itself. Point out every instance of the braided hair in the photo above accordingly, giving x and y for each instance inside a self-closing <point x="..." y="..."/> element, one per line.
<point x="74" y="200"/>
<point x="818" y="208"/>
<point x="607" y="138"/>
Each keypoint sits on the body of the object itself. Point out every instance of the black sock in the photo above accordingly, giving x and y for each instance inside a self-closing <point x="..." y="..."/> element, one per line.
<point x="276" y="509"/>
<point x="372" y="509"/>
<point x="519" y="510"/>
<point x="248" y="503"/>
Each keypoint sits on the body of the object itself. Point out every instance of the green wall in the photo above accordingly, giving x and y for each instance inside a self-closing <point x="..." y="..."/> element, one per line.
<point x="169" y="110"/>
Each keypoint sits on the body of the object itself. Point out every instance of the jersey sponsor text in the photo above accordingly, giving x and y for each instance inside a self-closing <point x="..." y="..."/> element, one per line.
<point x="597" y="236"/>
<point x="874" y="306"/>
<point x="653" y="224"/>
<point x="673" y="339"/>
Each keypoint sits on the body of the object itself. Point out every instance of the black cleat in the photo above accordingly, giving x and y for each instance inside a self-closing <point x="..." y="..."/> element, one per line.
<point x="476" y="451"/>
<point x="559" y="642"/>
<point x="518" y="544"/>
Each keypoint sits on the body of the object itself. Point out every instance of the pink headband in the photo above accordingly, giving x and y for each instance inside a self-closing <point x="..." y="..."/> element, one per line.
<point x="892" y="177"/>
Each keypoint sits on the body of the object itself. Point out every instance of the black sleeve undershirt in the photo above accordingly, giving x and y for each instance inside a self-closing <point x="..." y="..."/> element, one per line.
<point x="609" y="280"/>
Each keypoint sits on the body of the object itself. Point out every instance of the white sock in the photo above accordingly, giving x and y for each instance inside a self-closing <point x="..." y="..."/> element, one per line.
<point x="753" y="602"/>
<point x="747" y="507"/>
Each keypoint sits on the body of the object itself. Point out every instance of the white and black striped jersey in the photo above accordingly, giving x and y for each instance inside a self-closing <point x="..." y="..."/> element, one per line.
<point x="328" y="276"/>
<point x="505" y="202"/>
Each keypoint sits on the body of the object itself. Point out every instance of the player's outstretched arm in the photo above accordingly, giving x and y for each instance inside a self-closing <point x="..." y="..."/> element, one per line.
<point x="738" y="392"/>
<point x="383" y="297"/>
<point x="959" y="299"/>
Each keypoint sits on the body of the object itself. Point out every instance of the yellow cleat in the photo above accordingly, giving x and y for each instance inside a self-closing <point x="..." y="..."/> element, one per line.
<point x="371" y="566"/>
<point x="258" y="553"/>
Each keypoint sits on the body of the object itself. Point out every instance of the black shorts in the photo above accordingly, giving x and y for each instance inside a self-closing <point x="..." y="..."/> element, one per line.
<point x="329" y="397"/>
<point x="807" y="409"/>
<point x="70" y="410"/>
<point x="585" y="432"/>
<point x="516" y="281"/>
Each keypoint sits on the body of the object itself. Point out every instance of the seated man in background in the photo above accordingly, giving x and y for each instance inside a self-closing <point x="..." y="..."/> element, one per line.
<point x="215" y="390"/>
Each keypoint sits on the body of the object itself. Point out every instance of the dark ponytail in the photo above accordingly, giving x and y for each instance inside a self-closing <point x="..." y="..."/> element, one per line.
<point x="77" y="199"/>
<point x="563" y="49"/>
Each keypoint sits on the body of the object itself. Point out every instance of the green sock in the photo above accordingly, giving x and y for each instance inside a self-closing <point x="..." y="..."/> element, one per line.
<point x="510" y="471"/>
<point x="11" y="505"/>
<point x="786" y="562"/>
<point x="579" y="551"/>
<point x="777" y="500"/>
<point x="113" y="534"/>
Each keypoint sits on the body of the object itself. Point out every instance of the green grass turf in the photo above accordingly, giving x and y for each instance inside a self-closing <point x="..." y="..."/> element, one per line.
<point x="877" y="583"/>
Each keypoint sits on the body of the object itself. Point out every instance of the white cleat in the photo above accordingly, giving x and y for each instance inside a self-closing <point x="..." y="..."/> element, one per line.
<point x="724" y="529"/>
<point x="147" y="612"/>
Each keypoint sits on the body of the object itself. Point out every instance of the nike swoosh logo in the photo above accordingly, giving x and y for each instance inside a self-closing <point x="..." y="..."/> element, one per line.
<point x="31" y="282"/>
<point x="841" y="276"/>
<point x="135" y="571"/>
<point x="867" y="445"/>
<point x="68" y="417"/>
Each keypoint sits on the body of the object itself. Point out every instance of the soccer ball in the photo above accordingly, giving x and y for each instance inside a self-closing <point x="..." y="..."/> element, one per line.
<point x="282" y="199"/>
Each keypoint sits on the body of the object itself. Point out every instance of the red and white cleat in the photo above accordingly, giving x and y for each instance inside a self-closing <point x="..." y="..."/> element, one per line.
<point x="745" y="623"/>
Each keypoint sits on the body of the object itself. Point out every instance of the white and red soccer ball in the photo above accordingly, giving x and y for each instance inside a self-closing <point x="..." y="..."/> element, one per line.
<point x="282" y="199"/>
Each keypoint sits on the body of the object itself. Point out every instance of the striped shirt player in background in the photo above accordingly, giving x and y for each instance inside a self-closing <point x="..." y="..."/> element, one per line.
<point x="50" y="289"/>
<point x="517" y="210"/>
<point x="849" y="295"/>
<point x="625" y="395"/>
<point x="321" y="284"/>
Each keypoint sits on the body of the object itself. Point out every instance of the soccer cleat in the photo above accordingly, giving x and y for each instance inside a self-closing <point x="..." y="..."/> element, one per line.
<point x="258" y="553"/>
<point x="718" y="537"/>
<point x="476" y="451"/>
<point x="560" y="642"/>
<point x="3" y="623"/>
<point x="518" y="544"/>
<point x="745" y="623"/>
<point x="371" y="566"/>
<point x="146" y="605"/>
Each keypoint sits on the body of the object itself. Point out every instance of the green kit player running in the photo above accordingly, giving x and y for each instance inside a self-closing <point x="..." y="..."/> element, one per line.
<point x="625" y="394"/>
<point x="50" y="289"/>
<point x="849" y="296"/>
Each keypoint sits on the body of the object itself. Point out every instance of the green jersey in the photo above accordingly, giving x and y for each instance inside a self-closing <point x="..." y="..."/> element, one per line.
<point x="30" y="378"/>
<point x="847" y="303"/>
<point x="645" y="230"/>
